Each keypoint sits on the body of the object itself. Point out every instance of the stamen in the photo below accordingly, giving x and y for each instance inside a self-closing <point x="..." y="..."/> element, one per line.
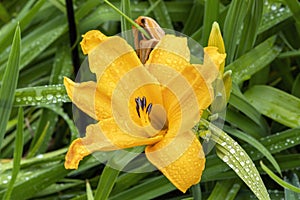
<point x="138" y="105"/>
<point x="148" y="109"/>
<point x="144" y="102"/>
<point x="138" y="110"/>
<point x="141" y="107"/>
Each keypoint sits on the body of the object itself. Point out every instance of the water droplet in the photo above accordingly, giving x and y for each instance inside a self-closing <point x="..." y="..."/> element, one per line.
<point x="225" y="159"/>
<point x="232" y="151"/>
<point x="49" y="96"/>
<point x="18" y="99"/>
<point x="38" y="98"/>
<point x="40" y="156"/>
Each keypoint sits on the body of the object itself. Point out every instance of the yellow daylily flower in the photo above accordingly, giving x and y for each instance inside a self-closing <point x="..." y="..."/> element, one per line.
<point x="156" y="104"/>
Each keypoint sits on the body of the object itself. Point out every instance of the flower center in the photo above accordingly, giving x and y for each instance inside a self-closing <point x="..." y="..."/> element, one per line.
<point x="143" y="110"/>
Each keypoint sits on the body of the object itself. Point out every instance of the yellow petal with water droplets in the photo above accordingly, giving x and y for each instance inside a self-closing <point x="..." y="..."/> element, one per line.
<point x="86" y="97"/>
<point x="171" y="51"/>
<point x="215" y="56"/>
<point x="106" y="135"/>
<point x="179" y="157"/>
<point x="90" y="40"/>
<point x="113" y="57"/>
<point x="77" y="151"/>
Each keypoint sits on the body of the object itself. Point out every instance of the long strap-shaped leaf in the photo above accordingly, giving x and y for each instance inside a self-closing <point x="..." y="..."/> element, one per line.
<point x="9" y="82"/>
<point x="237" y="159"/>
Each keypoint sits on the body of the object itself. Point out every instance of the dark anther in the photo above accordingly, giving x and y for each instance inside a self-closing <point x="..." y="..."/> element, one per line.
<point x="138" y="102"/>
<point x="144" y="103"/>
<point x="138" y="105"/>
<point x="148" y="109"/>
<point x="138" y="110"/>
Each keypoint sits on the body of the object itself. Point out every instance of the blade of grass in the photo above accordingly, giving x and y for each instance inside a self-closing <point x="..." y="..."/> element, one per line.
<point x="9" y="82"/>
<point x="41" y="95"/>
<point x="236" y="158"/>
<point x="222" y="189"/>
<point x="110" y="173"/>
<point x="250" y="27"/>
<point x="128" y="19"/>
<point x="276" y="104"/>
<point x="279" y="180"/>
<point x="89" y="192"/>
<point x="149" y="189"/>
<point x="4" y="15"/>
<point x="294" y="180"/>
<point x="253" y="61"/>
<point x="38" y="143"/>
<point x="24" y="18"/>
<point x="106" y="182"/>
<point x="196" y="191"/>
<point x="37" y="182"/>
<point x="241" y="103"/>
<point x="294" y="6"/>
<point x="18" y="151"/>
<point x="233" y="25"/>
<point x="162" y="15"/>
<point x="255" y="143"/>
<point x="126" y="26"/>
<point x="211" y="13"/>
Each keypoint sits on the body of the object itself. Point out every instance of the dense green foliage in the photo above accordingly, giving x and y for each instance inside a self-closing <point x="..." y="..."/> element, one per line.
<point x="262" y="40"/>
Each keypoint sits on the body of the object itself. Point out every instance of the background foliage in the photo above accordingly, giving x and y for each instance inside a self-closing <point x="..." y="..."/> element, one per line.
<point x="262" y="40"/>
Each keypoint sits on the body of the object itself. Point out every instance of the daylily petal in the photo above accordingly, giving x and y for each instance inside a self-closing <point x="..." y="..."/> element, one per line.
<point x="111" y="59"/>
<point x="91" y="39"/>
<point x="86" y="96"/>
<point x="215" y="56"/>
<point x="179" y="157"/>
<point x="106" y="135"/>
<point x="171" y="52"/>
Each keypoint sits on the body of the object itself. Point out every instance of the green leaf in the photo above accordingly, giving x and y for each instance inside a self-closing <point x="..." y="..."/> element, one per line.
<point x="294" y="6"/>
<point x="241" y="103"/>
<point x="294" y="180"/>
<point x="276" y="104"/>
<point x="226" y="189"/>
<point x="237" y="159"/>
<point x="253" y="61"/>
<point x="106" y="182"/>
<point x="9" y="82"/>
<point x="162" y="15"/>
<point x="196" y="191"/>
<point x="256" y="144"/>
<point x="89" y="192"/>
<point x="128" y="19"/>
<point x="38" y="143"/>
<point x="233" y="25"/>
<point x="40" y="180"/>
<point x="250" y="27"/>
<point x="279" y="180"/>
<point x="112" y="169"/>
<point x="24" y="18"/>
<point x="273" y="18"/>
<point x="18" y="151"/>
<point x="211" y="15"/>
<point x="126" y="26"/>
<point x="41" y="95"/>
<point x="149" y="189"/>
